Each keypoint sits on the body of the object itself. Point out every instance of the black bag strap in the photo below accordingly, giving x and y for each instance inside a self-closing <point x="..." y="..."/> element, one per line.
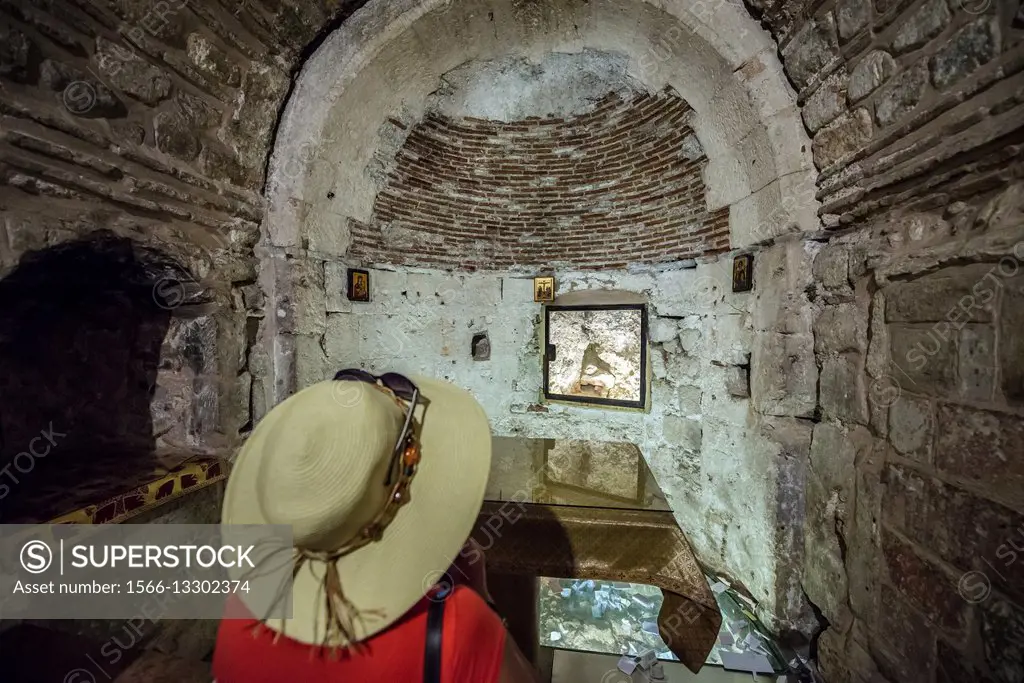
<point x="435" y="627"/>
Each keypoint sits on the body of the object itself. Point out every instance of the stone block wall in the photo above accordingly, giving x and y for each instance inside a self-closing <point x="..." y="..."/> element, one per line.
<point x="152" y="120"/>
<point x="616" y="185"/>
<point x="902" y="95"/>
<point x="915" y="512"/>
<point x="108" y="362"/>
<point x="912" y="511"/>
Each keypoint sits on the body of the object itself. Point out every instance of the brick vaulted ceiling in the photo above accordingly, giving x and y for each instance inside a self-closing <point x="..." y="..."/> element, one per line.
<point x="617" y="185"/>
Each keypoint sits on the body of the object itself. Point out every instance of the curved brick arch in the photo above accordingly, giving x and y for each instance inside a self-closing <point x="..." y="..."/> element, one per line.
<point x="605" y="189"/>
<point x="714" y="54"/>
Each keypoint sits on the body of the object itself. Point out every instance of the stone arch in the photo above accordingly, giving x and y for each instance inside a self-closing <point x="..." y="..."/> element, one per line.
<point x="714" y="55"/>
<point x="388" y="61"/>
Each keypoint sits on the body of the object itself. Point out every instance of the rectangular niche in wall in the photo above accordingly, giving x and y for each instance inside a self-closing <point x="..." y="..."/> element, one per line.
<point x="596" y="354"/>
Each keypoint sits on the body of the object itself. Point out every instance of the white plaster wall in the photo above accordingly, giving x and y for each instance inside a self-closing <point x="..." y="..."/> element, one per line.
<point x="514" y="88"/>
<point x="696" y="436"/>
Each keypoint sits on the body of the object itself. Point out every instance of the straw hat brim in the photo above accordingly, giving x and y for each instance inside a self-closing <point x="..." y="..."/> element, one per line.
<point x="389" y="576"/>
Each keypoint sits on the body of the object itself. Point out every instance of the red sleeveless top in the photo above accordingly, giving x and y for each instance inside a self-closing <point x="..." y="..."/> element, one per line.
<point x="472" y="648"/>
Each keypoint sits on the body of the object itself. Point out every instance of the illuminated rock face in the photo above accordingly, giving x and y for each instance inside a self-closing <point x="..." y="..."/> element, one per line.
<point x="597" y="354"/>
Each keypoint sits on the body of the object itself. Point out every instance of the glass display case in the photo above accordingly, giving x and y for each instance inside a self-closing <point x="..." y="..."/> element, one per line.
<point x="601" y="616"/>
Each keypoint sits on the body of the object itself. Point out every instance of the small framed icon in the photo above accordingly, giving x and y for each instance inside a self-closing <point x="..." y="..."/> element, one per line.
<point x="743" y="273"/>
<point x="544" y="289"/>
<point x="358" y="285"/>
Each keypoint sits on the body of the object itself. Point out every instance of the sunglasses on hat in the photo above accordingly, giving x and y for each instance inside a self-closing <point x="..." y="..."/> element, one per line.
<point x="406" y="452"/>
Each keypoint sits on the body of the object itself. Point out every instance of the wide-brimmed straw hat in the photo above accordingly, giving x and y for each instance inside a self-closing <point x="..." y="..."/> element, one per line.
<point x="319" y="462"/>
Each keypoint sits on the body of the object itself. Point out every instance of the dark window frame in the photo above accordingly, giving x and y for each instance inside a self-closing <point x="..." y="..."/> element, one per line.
<point x="640" y="404"/>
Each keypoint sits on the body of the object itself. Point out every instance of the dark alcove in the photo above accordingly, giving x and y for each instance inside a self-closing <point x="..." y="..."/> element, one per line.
<point x="81" y="330"/>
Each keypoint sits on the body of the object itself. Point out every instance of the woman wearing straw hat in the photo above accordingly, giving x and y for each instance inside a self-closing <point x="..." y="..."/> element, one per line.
<point x="380" y="480"/>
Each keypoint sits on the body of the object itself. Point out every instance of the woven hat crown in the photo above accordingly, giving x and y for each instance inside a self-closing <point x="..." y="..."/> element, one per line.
<point x="327" y="453"/>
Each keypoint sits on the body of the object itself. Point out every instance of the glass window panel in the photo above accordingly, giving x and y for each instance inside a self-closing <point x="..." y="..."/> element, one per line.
<point x="597" y="355"/>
